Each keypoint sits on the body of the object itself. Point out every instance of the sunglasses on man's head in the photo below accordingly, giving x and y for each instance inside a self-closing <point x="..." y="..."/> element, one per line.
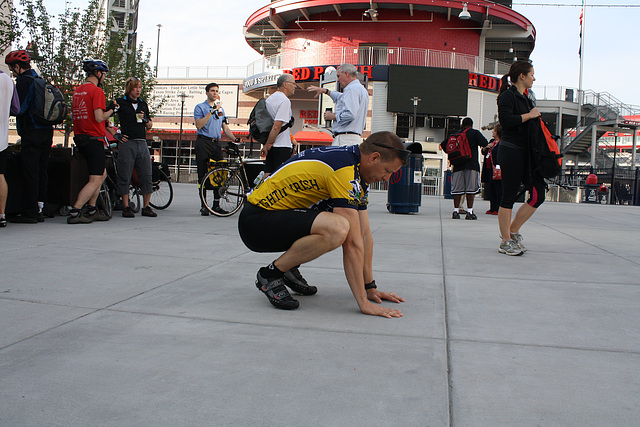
<point x="404" y="154"/>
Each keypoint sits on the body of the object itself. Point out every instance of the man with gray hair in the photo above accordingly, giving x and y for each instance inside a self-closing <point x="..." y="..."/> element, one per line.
<point x="278" y="147"/>
<point x="351" y="106"/>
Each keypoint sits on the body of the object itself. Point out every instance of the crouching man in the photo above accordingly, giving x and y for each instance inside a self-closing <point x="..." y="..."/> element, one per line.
<point x="312" y="204"/>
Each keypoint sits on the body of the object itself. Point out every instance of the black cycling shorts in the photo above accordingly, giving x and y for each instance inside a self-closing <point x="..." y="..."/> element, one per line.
<point x="93" y="152"/>
<point x="275" y="157"/>
<point x="274" y="231"/>
<point x="3" y="161"/>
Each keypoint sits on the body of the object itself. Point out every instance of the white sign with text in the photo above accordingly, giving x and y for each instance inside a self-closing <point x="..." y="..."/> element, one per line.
<point x="171" y="94"/>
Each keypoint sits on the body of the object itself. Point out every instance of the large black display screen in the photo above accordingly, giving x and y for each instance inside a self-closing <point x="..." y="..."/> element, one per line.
<point x="442" y="91"/>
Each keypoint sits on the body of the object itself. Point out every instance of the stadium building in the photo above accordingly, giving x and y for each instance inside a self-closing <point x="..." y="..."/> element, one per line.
<point x="425" y="63"/>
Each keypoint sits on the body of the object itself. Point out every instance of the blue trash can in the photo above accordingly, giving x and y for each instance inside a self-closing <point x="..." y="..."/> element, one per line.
<point x="447" y="184"/>
<point x="405" y="186"/>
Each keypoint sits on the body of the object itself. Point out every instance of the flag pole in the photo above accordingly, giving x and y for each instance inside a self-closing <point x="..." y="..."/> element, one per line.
<point x="581" y="54"/>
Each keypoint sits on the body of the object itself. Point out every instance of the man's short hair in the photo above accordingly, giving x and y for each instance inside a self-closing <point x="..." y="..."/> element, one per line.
<point x="348" y="69"/>
<point x="385" y="138"/>
<point x="209" y="86"/>
<point x="22" y="65"/>
<point x="284" y="78"/>
<point x="467" y="123"/>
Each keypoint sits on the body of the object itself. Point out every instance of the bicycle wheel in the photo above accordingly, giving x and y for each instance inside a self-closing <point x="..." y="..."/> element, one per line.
<point x="162" y="194"/>
<point x="134" y="199"/>
<point x="226" y="184"/>
<point x="103" y="202"/>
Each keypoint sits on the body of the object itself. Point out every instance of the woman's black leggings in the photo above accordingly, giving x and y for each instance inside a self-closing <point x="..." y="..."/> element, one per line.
<point x="514" y="163"/>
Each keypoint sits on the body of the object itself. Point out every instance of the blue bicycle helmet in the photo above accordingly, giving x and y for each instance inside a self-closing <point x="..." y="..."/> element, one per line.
<point x="91" y="65"/>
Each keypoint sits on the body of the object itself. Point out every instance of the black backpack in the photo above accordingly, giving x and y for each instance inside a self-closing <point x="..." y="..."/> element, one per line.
<point x="45" y="103"/>
<point x="546" y="159"/>
<point x="260" y="122"/>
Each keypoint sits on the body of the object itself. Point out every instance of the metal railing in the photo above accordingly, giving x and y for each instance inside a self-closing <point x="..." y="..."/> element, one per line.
<point x="609" y="102"/>
<point x="622" y="182"/>
<point x="590" y="97"/>
<point x="556" y="93"/>
<point x="202" y="72"/>
<point x="378" y="55"/>
<point x="430" y="186"/>
<point x="372" y="55"/>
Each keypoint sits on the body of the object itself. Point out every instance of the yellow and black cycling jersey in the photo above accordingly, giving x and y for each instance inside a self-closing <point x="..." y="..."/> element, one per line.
<point x="318" y="178"/>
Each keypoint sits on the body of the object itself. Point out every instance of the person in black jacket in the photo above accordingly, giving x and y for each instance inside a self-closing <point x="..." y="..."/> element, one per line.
<point x="493" y="186"/>
<point x="132" y="150"/>
<point x="515" y="108"/>
<point x="465" y="179"/>
<point x="35" y="143"/>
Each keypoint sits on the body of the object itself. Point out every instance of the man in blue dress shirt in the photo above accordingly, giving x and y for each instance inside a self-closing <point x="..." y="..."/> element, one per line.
<point x="351" y="106"/>
<point x="210" y="121"/>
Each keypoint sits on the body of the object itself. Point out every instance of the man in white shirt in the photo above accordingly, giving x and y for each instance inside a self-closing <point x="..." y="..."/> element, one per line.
<point x="9" y="104"/>
<point x="278" y="147"/>
<point x="351" y="106"/>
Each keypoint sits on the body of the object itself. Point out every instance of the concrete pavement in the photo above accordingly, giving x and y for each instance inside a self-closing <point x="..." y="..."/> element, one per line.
<point x="148" y="321"/>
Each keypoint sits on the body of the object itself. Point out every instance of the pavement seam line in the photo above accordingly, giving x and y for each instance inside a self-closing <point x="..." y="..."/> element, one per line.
<point x="447" y="342"/>
<point x="551" y="346"/>
<point x="48" y="330"/>
<point x="237" y="322"/>
<point x="106" y="308"/>
<point x="586" y="243"/>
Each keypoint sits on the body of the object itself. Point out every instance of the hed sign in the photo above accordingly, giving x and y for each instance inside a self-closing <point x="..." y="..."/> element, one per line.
<point x="309" y="117"/>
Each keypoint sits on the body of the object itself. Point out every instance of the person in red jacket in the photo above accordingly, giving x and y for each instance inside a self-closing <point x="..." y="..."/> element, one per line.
<point x="89" y="114"/>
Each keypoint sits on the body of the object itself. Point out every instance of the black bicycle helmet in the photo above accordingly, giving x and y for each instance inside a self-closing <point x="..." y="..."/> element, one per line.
<point x="91" y="65"/>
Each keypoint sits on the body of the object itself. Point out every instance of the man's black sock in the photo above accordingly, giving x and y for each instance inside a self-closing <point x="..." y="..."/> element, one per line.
<point x="271" y="272"/>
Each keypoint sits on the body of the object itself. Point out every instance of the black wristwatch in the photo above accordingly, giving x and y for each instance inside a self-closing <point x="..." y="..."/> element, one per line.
<point x="371" y="285"/>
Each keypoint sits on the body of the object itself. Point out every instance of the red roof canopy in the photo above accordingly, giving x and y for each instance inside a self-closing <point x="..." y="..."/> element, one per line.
<point x="313" y="137"/>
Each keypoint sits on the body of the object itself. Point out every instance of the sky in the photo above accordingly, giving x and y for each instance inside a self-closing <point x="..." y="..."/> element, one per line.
<point x="199" y="32"/>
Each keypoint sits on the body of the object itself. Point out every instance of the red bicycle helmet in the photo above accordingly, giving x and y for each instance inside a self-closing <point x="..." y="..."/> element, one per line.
<point x="17" y="56"/>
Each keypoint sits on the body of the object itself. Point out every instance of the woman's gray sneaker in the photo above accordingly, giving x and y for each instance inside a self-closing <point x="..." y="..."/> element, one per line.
<point x="517" y="237"/>
<point x="510" y="247"/>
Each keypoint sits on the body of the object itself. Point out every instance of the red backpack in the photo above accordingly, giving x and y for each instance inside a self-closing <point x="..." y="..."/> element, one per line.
<point x="457" y="148"/>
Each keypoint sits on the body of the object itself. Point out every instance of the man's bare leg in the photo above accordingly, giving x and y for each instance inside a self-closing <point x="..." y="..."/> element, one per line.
<point x="328" y="232"/>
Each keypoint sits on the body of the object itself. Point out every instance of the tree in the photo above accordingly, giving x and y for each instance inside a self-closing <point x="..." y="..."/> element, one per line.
<point x="81" y="34"/>
<point x="135" y="63"/>
<point x="8" y="25"/>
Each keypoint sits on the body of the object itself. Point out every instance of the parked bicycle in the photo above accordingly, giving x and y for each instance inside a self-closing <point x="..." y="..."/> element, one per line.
<point x="162" y="194"/>
<point x="230" y="180"/>
<point x="111" y="183"/>
<point x="109" y="200"/>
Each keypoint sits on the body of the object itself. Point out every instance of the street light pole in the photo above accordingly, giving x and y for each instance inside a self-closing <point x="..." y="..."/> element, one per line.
<point x="415" y="100"/>
<point x="158" y="49"/>
<point x="581" y="51"/>
<point x="182" y="97"/>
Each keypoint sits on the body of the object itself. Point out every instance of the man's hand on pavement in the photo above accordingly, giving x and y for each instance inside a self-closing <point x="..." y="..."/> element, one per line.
<point x="378" y="310"/>
<point x="377" y="296"/>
